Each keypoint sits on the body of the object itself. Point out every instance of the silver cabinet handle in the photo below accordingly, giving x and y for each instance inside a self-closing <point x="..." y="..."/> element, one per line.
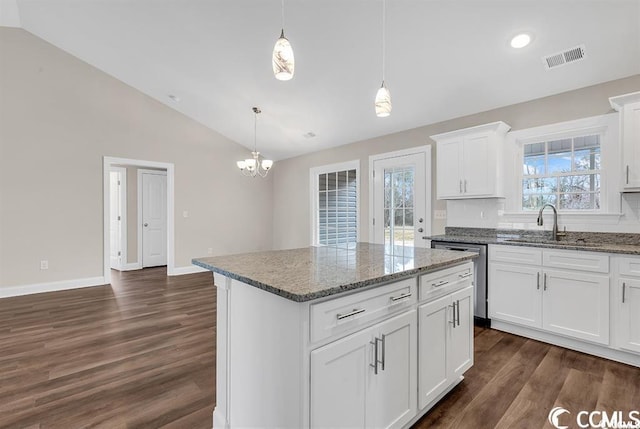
<point x="624" y="286"/>
<point x="384" y="349"/>
<point x="442" y="283"/>
<point x="352" y="313"/>
<point x="458" y="312"/>
<point x="545" y="281"/>
<point x="538" y="281"/>
<point x="465" y="186"/>
<point x="374" y="365"/>
<point x="627" y="174"/>
<point x="464" y="276"/>
<point x="453" y="315"/>
<point x="399" y="297"/>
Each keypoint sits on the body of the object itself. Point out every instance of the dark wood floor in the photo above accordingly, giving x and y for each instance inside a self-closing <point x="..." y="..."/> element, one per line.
<point x="142" y="354"/>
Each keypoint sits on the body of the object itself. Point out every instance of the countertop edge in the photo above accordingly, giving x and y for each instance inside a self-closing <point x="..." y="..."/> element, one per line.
<point x="338" y="289"/>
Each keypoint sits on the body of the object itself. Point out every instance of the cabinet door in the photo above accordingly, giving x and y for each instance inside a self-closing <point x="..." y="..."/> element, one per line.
<point x="461" y="344"/>
<point x="514" y="294"/>
<point x="434" y="320"/>
<point x="391" y="399"/>
<point x="339" y="380"/>
<point x="631" y="146"/>
<point x="448" y="168"/>
<point x="476" y="166"/>
<point x="629" y="315"/>
<point x="576" y="304"/>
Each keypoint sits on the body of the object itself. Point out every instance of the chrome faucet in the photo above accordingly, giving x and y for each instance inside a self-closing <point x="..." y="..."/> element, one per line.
<point x="554" y="231"/>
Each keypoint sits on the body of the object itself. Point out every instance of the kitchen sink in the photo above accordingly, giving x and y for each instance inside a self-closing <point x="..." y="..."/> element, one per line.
<point x="534" y="241"/>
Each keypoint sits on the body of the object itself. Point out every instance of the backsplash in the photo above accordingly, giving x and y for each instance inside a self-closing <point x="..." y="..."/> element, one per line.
<point x="490" y="213"/>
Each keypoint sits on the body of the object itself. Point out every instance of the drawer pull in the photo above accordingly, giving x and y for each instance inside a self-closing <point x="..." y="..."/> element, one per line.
<point x="403" y="296"/>
<point x="352" y="313"/>
<point x="624" y="287"/>
<point x="442" y="283"/>
<point x="464" y="276"/>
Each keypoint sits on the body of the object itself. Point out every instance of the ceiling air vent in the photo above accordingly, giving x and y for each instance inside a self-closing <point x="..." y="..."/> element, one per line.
<point x="561" y="58"/>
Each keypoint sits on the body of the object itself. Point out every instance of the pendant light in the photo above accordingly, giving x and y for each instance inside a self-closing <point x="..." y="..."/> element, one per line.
<point x="282" y="60"/>
<point x="256" y="165"/>
<point x="383" y="96"/>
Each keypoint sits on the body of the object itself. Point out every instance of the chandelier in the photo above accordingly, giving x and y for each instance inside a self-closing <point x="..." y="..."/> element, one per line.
<point x="256" y="165"/>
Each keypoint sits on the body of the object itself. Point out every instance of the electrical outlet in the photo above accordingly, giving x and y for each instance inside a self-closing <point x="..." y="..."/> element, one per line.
<point x="44" y="264"/>
<point x="210" y="251"/>
<point x="439" y="214"/>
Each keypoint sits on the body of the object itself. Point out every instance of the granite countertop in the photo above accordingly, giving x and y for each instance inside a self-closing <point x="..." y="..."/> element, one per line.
<point x="314" y="272"/>
<point x="623" y="243"/>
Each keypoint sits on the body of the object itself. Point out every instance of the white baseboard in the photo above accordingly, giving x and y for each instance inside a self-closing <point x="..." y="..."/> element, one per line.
<point x="6" y="292"/>
<point x="131" y="266"/>
<point x="190" y="269"/>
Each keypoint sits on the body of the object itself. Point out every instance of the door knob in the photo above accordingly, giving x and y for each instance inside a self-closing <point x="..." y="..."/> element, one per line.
<point x="146" y="224"/>
<point x="420" y="229"/>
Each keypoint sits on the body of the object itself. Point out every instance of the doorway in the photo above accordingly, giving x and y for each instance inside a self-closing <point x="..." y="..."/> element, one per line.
<point x="400" y="198"/>
<point x="118" y="217"/>
<point x="160" y="206"/>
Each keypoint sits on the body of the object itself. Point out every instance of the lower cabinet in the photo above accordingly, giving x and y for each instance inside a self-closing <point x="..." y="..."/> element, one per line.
<point x="570" y="302"/>
<point x="628" y="310"/>
<point x="367" y="379"/>
<point x="445" y="343"/>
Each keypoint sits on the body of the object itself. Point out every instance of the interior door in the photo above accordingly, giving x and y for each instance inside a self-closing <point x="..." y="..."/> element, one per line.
<point x="115" y="218"/>
<point x="400" y="215"/>
<point x="154" y="219"/>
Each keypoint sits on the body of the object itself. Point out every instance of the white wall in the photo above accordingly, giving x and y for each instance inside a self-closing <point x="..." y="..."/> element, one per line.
<point x="291" y="220"/>
<point x="58" y="117"/>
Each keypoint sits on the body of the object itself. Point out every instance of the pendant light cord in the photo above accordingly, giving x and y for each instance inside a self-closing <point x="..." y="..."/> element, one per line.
<point x="255" y="129"/>
<point x="384" y="25"/>
<point x="282" y="9"/>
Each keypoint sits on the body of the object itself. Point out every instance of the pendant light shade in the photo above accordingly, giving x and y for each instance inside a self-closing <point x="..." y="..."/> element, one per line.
<point x="383" y="102"/>
<point x="282" y="59"/>
<point x="383" y="96"/>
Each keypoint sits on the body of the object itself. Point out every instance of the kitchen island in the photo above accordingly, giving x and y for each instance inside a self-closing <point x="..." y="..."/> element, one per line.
<point x="365" y="336"/>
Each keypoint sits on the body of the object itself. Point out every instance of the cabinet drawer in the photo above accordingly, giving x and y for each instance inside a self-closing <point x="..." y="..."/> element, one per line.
<point x="442" y="282"/>
<point x="628" y="266"/>
<point x="343" y="314"/>
<point x="515" y="254"/>
<point x="576" y="260"/>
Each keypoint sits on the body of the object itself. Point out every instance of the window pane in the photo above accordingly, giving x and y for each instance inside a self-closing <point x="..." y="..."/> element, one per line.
<point x="540" y="185"/>
<point x="337" y="208"/>
<point x="587" y="159"/>
<point x="559" y="156"/>
<point x="534" y="202"/>
<point x="322" y="182"/>
<point x="580" y="183"/>
<point x="533" y="159"/>
<point x="579" y="201"/>
<point x="342" y="179"/>
<point x="331" y="181"/>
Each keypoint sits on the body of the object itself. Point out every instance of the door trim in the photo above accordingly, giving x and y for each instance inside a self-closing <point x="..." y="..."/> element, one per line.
<point x="427" y="174"/>
<point x="142" y="171"/>
<point x="123" y="221"/>
<point x="108" y="161"/>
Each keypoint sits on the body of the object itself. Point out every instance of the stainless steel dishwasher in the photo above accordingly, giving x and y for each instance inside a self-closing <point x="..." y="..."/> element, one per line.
<point x="480" y="276"/>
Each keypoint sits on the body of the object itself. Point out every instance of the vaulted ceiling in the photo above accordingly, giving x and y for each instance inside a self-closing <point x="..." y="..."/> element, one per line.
<point x="444" y="58"/>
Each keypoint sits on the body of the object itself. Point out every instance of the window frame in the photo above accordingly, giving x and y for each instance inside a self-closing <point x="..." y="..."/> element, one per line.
<point x="314" y="173"/>
<point x="604" y="125"/>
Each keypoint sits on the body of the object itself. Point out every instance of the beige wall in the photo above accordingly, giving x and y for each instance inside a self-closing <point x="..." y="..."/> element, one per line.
<point x="58" y="118"/>
<point x="291" y="217"/>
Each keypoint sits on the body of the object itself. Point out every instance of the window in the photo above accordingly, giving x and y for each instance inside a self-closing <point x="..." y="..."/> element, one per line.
<point x="565" y="172"/>
<point x="336" y="204"/>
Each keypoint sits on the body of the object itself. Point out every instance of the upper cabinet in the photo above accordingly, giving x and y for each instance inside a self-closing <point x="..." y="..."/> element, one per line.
<point x="629" y="107"/>
<point x="469" y="162"/>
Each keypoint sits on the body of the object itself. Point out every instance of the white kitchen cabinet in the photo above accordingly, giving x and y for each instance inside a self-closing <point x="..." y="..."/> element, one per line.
<point x="469" y="162"/>
<point x="514" y="294"/>
<point x="629" y="107"/>
<point x="445" y="343"/>
<point x="627" y="303"/>
<point x="367" y="379"/>
<point x="569" y="302"/>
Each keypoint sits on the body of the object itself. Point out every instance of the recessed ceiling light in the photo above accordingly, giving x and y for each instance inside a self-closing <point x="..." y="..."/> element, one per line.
<point x="520" y="41"/>
<point x="173" y="98"/>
